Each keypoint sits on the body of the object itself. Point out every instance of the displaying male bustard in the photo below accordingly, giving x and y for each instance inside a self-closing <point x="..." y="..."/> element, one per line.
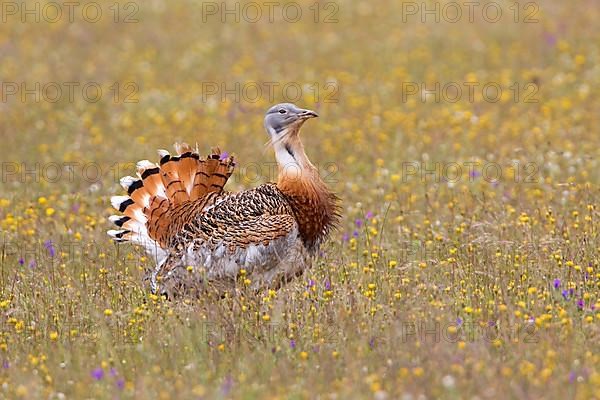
<point x="201" y="236"/>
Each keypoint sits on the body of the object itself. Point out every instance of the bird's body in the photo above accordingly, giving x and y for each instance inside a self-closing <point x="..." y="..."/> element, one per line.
<point x="202" y="236"/>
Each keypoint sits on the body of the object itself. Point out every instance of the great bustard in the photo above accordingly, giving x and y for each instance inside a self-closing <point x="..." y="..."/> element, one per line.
<point x="202" y="236"/>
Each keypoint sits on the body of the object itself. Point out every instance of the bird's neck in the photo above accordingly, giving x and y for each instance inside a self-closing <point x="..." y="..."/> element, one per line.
<point x="314" y="205"/>
<point x="289" y="153"/>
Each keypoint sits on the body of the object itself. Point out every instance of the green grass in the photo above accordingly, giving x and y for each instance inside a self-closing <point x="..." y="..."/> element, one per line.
<point x="445" y="290"/>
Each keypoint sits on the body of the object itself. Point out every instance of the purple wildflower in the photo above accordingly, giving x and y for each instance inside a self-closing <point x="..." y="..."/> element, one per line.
<point x="121" y="383"/>
<point x="311" y="283"/>
<point x="372" y="343"/>
<point x="355" y="233"/>
<point x="556" y="283"/>
<point x="292" y="344"/>
<point x="97" y="374"/>
<point x="346" y="237"/>
<point x="580" y="304"/>
<point x="572" y="376"/>
<point x="369" y="215"/>
<point x="565" y="294"/>
<point x="113" y="372"/>
<point x="21" y="261"/>
<point x="50" y="247"/>
<point x="550" y="39"/>
<point x="327" y="285"/>
<point x="224" y="155"/>
<point x="459" y="321"/>
<point x="32" y="264"/>
<point x="5" y="364"/>
<point x="358" y="222"/>
<point x="474" y="174"/>
<point x="227" y="385"/>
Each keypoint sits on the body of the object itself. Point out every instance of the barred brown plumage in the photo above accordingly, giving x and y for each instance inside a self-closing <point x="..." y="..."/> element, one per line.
<point x="201" y="236"/>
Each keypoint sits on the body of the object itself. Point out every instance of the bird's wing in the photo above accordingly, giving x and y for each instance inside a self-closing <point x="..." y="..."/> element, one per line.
<point x="239" y="220"/>
<point x="249" y="232"/>
<point x="254" y="230"/>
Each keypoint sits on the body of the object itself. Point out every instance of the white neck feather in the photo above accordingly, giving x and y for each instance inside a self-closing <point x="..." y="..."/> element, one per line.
<point x="289" y="158"/>
<point x="284" y="158"/>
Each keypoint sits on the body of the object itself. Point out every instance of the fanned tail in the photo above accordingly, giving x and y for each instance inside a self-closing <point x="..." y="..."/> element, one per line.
<point x="159" y="189"/>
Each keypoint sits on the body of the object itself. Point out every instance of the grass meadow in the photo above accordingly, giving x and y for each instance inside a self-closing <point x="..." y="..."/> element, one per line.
<point x="464" y="147"/>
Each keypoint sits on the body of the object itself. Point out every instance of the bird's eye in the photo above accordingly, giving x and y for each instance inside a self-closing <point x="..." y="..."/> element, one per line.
<point x="282" y="111"/>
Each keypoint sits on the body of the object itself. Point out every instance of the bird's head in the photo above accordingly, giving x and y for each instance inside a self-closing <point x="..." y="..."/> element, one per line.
<point x="285" y="119"/>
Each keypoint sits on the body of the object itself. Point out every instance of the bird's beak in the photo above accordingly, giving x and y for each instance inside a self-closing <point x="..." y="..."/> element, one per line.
<point x="306" y="114"/>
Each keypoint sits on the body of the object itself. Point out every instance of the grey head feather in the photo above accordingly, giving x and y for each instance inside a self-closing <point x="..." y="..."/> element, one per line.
<point x="281" y="116"/>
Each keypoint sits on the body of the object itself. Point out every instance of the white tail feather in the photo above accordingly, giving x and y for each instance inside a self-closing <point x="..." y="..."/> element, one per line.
<point x="145" y="164"/>
<point x="117" y="200"/>
<point x="126" y="181"/>
<point x="114" y="218"/>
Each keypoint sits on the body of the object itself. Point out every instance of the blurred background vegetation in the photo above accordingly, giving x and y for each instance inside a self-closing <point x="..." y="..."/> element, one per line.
<point x="508" y="253"/>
